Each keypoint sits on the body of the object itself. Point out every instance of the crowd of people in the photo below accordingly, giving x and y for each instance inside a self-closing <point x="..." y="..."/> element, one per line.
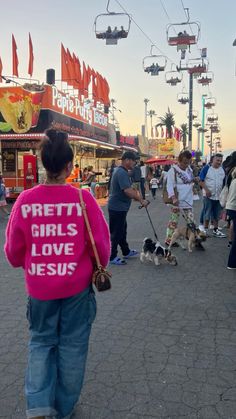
<point x="185" y="182"/>
<point x="48" y="237"/>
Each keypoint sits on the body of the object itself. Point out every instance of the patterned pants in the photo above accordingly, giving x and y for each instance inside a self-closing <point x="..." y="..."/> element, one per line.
<point x="174" y="219"/>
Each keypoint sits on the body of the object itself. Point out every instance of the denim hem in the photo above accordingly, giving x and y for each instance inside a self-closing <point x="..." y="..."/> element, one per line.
<point x="40" y="411"/>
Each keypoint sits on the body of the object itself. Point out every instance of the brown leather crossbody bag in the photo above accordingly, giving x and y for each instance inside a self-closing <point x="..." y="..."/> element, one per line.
<point x="101" y="277"/>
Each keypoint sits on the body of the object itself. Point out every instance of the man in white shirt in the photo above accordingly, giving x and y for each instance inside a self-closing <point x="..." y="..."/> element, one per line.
<point x="211" y="180"/>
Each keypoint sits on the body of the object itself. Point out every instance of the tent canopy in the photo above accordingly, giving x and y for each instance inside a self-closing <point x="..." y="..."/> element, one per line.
<point x="160" y="161"/>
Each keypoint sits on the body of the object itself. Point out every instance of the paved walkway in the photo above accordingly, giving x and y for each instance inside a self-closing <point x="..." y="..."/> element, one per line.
<point x="163" y="344"/>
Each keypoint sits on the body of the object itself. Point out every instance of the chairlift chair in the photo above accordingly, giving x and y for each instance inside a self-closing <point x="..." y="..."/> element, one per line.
<point x="210" y="102"/>
<point x="197" y="124"/>
<point x="197" y="66"/>
<point x="158" y="63"/>
<point x="183" y="98"/>
<point x="178" y="36"/>
<point x="111" y="35"/>
<point x="173" y="77"/>
<point x="206" y="79"/>
<point x="194" y="114"/>
<point x="202" y="130"/>
<point x="212" y="117"/>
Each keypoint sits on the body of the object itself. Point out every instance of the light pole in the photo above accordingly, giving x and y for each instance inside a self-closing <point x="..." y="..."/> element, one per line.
<point x="203" y="123"/>
<point x="145" y="118"/>
<point x="151" y="113"/>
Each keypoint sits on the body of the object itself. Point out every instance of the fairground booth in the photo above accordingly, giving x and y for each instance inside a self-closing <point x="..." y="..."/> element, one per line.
<point x="80" y="107"/>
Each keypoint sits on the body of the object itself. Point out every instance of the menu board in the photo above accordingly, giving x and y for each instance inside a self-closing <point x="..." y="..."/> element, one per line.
<point x="9" y="160"/>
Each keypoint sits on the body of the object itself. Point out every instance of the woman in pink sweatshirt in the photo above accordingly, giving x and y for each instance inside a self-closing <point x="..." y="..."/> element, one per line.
<point x="46" y="236"/>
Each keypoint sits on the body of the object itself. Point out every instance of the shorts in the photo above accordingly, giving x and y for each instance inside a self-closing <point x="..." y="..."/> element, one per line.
<point x="212" y="209"/>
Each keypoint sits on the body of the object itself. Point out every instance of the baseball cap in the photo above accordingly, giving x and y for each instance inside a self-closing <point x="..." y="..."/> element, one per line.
<point x="129" y="155"/>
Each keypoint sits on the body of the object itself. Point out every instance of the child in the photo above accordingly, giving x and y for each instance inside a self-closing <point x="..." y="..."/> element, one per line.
<point x="154" y="186"/>
<point x="3" y="202"/>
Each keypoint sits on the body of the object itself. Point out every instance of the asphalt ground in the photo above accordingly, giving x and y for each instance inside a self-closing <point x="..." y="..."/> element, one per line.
<point x="164" y="341"/>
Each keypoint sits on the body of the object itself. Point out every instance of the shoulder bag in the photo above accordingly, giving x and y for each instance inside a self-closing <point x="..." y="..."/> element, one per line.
<point x="165" y="196"/>
<point x="101" y="277"/>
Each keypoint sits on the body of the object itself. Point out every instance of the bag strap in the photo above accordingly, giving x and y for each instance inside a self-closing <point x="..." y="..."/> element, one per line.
<point x="84" y="211"/>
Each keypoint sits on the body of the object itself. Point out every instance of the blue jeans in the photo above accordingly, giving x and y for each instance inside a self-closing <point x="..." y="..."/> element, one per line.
<point x="58" y="347"/>
<point x="212" y="209"/>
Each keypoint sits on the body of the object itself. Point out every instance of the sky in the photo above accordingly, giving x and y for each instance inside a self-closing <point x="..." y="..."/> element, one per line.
<point x="72" y="23"/>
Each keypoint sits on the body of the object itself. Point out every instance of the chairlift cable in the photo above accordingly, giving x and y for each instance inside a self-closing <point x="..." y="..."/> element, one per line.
<point x="168" y="17"/>
<point x="144" y="33"/>
<point x="184" y="8"/>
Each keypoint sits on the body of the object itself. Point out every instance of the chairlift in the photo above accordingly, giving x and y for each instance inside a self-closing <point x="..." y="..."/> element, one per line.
<point x="111" y="34"/>
<point x="202" y="130"/>
<point x="197" y="124"/>
<point x="153" y="64"/>
<point x="178" y="36"/>
<point x="206" y="78"/>
<point x="183" y="98"/>
<point x="194" y="114"/>
<point x="214" y="128"/>
<point x="212" y="118"/>
<point x="173" y="77"/>
<point x="210" y="102"/>
<point x="197" y="66"/>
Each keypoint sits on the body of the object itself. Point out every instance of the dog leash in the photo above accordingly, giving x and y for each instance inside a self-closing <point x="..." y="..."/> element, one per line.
<point x="190" y="224"/>
<point x="149" y="217"/>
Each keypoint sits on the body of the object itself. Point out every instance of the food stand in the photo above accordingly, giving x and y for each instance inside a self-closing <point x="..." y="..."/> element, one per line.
<point x="27" y="111"/>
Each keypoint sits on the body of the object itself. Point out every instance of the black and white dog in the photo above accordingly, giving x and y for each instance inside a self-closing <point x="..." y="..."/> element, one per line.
<point x="155" y="252"/>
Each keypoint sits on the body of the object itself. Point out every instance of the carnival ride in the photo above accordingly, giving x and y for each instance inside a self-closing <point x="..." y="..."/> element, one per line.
<point x="104" y="29"/>
<point x="153" y="64"/>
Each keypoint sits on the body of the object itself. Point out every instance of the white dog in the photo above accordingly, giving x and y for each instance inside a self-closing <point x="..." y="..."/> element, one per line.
<point x="155" y="252"/>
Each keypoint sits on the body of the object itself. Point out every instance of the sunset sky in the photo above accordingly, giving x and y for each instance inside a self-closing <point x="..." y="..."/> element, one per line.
<point x="71" y="22"/>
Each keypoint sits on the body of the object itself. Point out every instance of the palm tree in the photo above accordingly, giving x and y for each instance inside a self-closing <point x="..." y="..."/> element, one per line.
<point x="169" y="122"/>
<point x="184" y="134"/>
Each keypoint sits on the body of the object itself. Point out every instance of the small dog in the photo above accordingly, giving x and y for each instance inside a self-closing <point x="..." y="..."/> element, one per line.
<point x="155" y="252"/>
<point x="193" y="235"/>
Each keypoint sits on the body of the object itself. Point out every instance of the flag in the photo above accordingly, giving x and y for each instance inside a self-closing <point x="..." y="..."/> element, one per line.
<point x="71" y="70"/>
<point x="0" y="70"/>
<point x="94" y="89"/>
<point x="31" y="57"/>
<point x="99" y="87"/>
<point x="64" y="65"/>
<point x="77" y="72"/>
<point x="15" y="61"/>
<point x="106" y="92"/>
<point x="85" y="81"/>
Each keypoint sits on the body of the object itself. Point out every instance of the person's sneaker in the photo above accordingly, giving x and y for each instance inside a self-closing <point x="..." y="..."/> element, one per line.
<point x="218" y="233"/>
<point x="202" y="228"/>
<point x="230" y="244"/>
<point x="211" y="227"/>
<point x="131" y="254"/>
<point x="229" y="267"/>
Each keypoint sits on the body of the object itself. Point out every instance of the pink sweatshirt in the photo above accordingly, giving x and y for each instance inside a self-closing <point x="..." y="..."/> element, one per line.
<point x="47" y="236"/>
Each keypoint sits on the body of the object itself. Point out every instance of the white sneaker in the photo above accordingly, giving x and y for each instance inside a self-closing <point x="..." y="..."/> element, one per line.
<point x="218" y="233"/>
<point x="211" y="227"/>
<point x="228" y="267"/>
<point x="202" y="228"/>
